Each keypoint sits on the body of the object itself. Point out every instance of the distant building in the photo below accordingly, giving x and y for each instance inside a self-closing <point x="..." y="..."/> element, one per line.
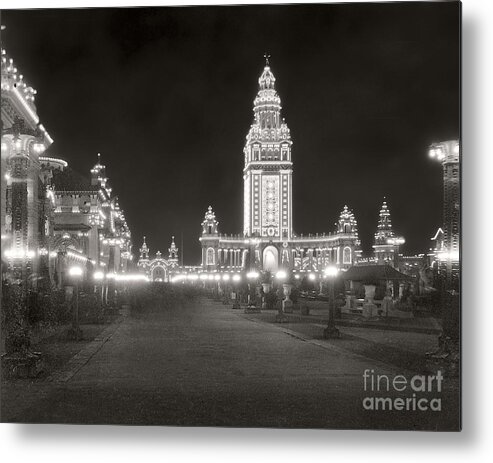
<point x="159" y="268"/>
<point x="89" y="226"/>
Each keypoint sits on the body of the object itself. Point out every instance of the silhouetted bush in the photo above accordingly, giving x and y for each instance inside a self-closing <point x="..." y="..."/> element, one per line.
<point x="90" y="309"/>
<point x="271" y="299"/>
<point x="295" y="295"/>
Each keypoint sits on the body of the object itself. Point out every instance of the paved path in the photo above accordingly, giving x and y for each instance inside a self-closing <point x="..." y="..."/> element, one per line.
<point x="207" y="365"/>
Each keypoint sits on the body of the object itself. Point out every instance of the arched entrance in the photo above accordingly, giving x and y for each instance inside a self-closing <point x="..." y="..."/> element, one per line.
<point x="159" y="273"/>
<point x="271" y="259"/>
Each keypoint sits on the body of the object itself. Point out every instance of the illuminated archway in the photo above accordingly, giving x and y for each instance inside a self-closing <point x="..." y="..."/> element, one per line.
<point x="346" y="255"/>
<point x="210" y="256"/>
<point x="159" y="273"/>
<point x="271" y="259"/>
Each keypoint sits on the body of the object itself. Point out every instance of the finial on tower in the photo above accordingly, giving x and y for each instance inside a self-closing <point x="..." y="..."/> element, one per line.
<point x="266" y="56"/>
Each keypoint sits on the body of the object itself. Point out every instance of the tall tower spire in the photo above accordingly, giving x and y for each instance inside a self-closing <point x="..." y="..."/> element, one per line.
<point x="384" y="227"/>
<point x="386" y="242"/>
<point x="268" y="166"/>
<point x="98" y="173"/>
<point x="173" y="250"/>
<point x="144" y="253"/>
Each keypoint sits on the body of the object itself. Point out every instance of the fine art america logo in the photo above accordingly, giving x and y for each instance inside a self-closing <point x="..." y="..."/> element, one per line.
<point x="398" y="392"/>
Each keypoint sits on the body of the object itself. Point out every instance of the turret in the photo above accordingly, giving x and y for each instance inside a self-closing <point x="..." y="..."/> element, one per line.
<point x="387" y="244"/>
<point x="210" y="224"/>
<point x="173" y="251"/>
<point x="267" y="174"/>
<point x="347" y="223"/>
<point x="144" y="254"/>
<point x="349" y="248"/>
<point x="210" y="240"/>
<point x="98" y="174"/>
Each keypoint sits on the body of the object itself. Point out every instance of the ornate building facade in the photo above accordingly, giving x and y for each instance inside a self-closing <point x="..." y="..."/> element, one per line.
<point x="26" y="203"/>
<point x="89" y="224"/>
<point x="52" y="218"/>
<point x="268" y="241"/>
<point x="159" y="268"/>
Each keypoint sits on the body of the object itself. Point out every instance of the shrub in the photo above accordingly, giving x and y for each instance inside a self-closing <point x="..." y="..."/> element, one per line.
<point x="271" y="299"/>
<point x="295" y="295"/>
<point x="90" y="309"/>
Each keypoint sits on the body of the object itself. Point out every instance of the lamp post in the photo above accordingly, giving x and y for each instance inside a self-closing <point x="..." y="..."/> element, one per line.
<point x="217" y="279"/>
<point x="287" y="303"/>
<point x="76" y="273"/>
<point x="252" y="277"/>
<point x="331" y="331"/>
<point x="226" y="288"/>
<point x="236" y="280"/>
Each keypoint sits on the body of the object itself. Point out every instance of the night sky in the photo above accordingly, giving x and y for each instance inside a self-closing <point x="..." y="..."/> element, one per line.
<point x="166" y="96"/>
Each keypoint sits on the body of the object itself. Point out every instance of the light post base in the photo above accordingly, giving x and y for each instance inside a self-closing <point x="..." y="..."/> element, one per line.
<point x="331" y="332"/>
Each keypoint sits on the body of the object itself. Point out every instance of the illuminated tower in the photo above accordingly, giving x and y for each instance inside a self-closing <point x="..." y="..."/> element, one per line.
<point x="348" y="251"/>
<point x="173" y="252"/>
<point x="210" y="240"/>
<point x="268" y="170"/>
<point x="144" y="255"/>
<point x="386" y="243"/>
<point x="384" y="227"/>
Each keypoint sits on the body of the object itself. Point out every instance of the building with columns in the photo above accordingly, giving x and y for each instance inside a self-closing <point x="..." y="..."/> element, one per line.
<point x="25" y="201"/>
<point x="52" y="217"/>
